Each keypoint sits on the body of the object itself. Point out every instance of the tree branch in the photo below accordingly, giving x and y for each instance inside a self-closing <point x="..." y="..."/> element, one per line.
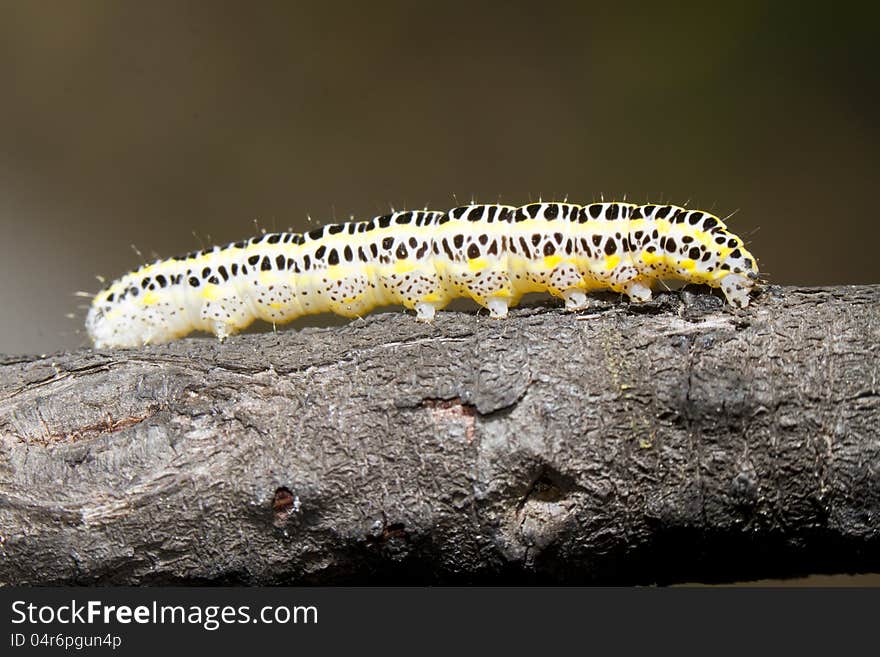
<point x="675" y="441"/>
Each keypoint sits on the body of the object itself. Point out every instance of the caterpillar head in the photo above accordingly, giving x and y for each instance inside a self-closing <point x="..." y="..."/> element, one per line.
<point x="740" y="276"/>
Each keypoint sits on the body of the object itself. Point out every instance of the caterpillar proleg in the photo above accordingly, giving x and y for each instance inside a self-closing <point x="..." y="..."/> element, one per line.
<point x="493" y="254"/>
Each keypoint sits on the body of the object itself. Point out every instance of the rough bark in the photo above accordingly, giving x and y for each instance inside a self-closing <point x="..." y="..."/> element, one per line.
<point x="677" y="441"/>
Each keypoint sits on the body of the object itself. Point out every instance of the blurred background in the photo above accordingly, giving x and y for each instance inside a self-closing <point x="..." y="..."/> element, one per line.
<point x="173" y="125"/>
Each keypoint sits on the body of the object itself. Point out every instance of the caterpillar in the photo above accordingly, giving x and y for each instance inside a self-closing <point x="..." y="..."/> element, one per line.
<point x="493" y="254"/>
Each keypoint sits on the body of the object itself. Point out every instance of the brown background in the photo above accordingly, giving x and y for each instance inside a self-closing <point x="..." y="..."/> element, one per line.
<point x="142" y="123"/>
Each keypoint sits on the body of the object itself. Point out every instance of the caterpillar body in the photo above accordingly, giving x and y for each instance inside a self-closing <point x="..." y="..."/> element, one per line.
<point x="493" y="254"/>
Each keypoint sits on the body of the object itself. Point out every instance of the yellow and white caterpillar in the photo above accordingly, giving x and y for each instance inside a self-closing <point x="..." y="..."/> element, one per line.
<point x="493" y="254"/>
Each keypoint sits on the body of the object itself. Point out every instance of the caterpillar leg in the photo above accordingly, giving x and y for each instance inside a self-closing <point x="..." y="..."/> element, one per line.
<point x="490" y="287"/>
<point x="575" y="299"/>
<point x="637" y="291"/>
<point x="223" y="330"/>
<point x="417" y="290"/>
<point x="565" y="281"/>
<point x="425" y="311"/>
<point x="497" y="307"/>
<point x="736" y="288"/>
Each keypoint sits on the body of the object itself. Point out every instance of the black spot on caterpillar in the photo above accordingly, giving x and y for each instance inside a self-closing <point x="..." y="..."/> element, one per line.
<point x="493" y="254"/>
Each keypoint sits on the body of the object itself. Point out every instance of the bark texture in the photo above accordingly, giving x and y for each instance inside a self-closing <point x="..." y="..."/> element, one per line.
<point x="677" y="441"/>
